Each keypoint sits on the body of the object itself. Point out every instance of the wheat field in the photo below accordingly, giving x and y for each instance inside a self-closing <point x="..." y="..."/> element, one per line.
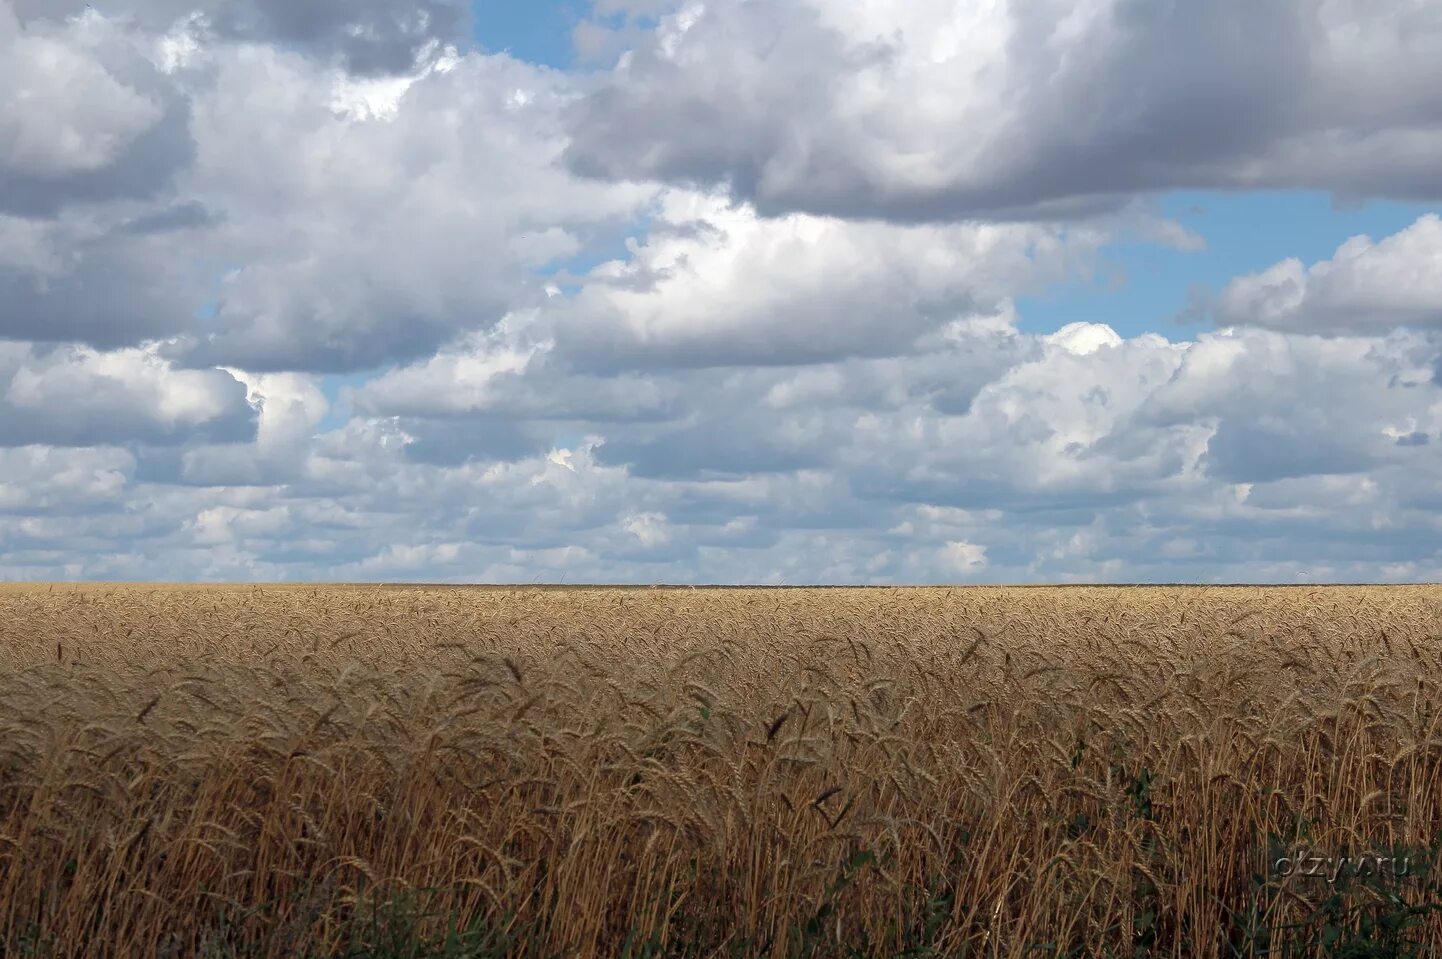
<point x="988" y="771"/>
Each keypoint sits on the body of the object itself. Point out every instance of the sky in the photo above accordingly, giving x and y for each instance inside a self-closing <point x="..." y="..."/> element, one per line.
<point x="721" y="291"/>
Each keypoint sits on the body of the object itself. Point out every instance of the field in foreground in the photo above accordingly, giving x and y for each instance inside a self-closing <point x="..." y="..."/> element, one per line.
<point x="370" y="771"/>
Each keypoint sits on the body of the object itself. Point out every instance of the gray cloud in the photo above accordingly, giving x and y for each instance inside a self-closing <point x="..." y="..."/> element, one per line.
<point x="367" y="36"/>
<point x="378" y="233"/>
<point x="97" y="279"/>
<point x="1077" y="455"/>
<point x="318" y="221"/>
<point x="936" y="111"/>
<point x="78" y="397"/>
<point x="88" y="117"/>
<point x="46" y="479"/>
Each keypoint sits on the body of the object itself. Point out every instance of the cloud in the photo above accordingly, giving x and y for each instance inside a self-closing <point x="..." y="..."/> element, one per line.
<point x="93" y="277"/>
<point x="318" y="221"/>
<point x="66" y="113"/>
<point x="1080" y="455"/>
<point x="713" y="284"/>
<point x="290" y="410"/>
<point x="1291" y="406"/>
<point x="1366" y="286"/>
<point x="964" y="558"/>
<point x="74" y="396"/>
<point x="87" y="117"/>
<point x="366" y="36"/>
<point x="934" y="111"/>
<point x="376" y="238"/>
<point x="39" y="479"/>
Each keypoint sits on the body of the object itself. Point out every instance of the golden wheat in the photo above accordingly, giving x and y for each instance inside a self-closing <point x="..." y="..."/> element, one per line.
<point x="190" y="770"/>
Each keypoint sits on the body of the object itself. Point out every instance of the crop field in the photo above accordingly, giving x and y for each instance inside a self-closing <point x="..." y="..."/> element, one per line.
<point x="988" y="771"/>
